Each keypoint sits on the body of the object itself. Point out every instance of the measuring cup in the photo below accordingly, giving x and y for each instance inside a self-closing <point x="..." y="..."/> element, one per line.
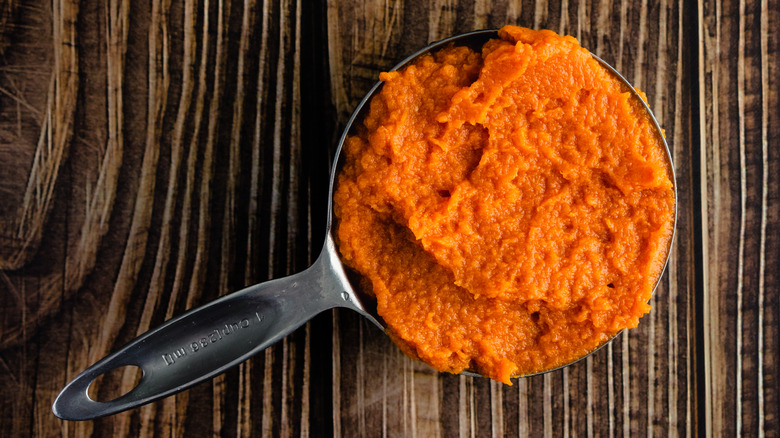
<point x="204" y="342"/>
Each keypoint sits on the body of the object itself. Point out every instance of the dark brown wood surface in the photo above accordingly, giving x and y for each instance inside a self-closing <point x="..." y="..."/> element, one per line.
<point x="155" y="155"/>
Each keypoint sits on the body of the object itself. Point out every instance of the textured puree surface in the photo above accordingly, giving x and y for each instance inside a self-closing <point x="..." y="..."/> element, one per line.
<point x="511" y="210"/>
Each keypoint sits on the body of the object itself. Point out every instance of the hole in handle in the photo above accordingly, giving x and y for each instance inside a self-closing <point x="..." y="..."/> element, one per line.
<point x="114" y="383"/>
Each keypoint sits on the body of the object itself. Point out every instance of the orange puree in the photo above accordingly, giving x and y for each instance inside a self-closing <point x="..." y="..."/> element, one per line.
<point x="511" y="210"/>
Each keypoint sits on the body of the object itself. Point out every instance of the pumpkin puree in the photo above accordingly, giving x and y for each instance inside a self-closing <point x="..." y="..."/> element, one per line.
<point x="511" y="210"/>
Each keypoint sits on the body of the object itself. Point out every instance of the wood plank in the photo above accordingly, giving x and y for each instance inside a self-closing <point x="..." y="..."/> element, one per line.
<point x="739" y="55"/>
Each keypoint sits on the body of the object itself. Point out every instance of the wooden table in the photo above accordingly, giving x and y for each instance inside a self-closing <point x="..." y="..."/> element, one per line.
<point x="155" y="155"/>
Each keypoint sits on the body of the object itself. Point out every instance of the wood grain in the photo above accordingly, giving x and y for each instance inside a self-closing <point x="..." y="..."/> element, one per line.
<point x="739" y="158"/>
<point x="21" y="232"/>
<point x="198" y="161"/>
<point x="39" y="86"/>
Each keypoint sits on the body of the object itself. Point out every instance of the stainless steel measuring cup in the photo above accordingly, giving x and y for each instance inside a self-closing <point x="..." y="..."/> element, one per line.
<point x="204" y="342"/>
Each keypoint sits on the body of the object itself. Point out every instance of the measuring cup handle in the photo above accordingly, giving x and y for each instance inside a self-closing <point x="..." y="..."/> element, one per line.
<point x="206" y="341"/>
